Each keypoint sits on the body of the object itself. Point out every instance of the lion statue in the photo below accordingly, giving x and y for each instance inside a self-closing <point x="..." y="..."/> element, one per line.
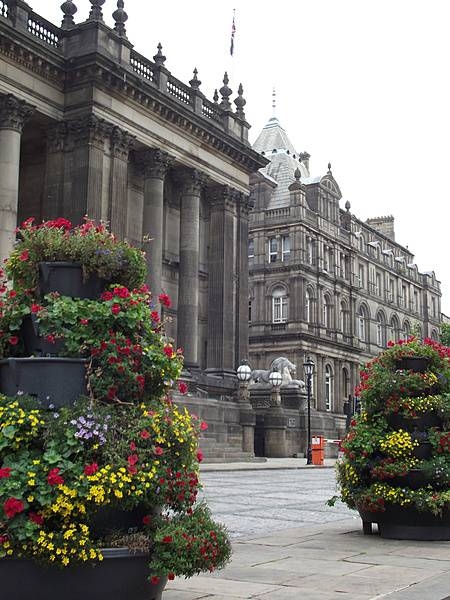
<point x="286" y="368"/>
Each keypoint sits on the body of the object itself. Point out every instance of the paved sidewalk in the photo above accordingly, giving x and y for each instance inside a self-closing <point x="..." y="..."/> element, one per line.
<point x="267" y="464"/>
<point x="325" y="562"/>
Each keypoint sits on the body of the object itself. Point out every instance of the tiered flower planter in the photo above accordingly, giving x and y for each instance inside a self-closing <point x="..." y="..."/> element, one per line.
<point x="387" y="472"/>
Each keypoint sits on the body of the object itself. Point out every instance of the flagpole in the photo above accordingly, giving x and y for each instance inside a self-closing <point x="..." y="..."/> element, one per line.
<point x="230" y="60"/>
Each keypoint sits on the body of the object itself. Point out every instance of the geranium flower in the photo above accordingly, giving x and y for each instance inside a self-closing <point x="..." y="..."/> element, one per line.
<point x="154" y="579"/>
<point x="115" y="309"/>
<point x="54" y="478"/>
<point x="91" y="469"/>
<point x="13" y="507"/>
<point x="144" y="434"/>
<point x="182" y="387"/>
<point x="107" y="296"/>
<point x="203" y="426"/>
<point x="24" y="256"/>
<point x="168" y="351"/>
<point x="35" y="308"/>
<point x="36" y="518"/>
<point x="133" y="459"/>
<point x="167" y="539"/>
<point x="165" y="300"/>
<point x="159" y="451"/>
<point x="13" y="340"/>
<point x="5" y="472"/>
<point x="199" y="456"/>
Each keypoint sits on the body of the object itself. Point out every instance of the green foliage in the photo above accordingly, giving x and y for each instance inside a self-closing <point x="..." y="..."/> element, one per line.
<point x="445" y="334"/>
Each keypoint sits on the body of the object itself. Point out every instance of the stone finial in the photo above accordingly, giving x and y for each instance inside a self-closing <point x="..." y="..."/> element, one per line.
<point x="240" y="102"/>
<point x="159" y="57"/>
<point x="216" y="96"/>
<point x="274" y="102"/>
<point x="329" y="169"/>
<point x="120" y="18"/>
<point x="69" y="9"/>
<point x="347" y="206"/>
<point x="195" y="82"/>
<point x="96" y="10"/>
<point x="297" y="174"/>
<point x="225" y="92"/>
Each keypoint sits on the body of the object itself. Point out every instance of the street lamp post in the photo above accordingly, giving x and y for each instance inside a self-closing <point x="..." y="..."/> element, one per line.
<point x="308" y="367"/>
<point x="247" y="415"/>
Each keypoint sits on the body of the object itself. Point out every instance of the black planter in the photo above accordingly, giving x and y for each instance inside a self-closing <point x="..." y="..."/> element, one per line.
<point x="66" y="278"/>
<point x="56" y="381"/>
<point x="406" y="523"/>
<point x="120" y="576"/>
<point x="423" y="450"/>
<point x="35" y="344"/>
<point x="108" y="519"/>
<point x="414" y="479"/>
<point x="419" y="423"/>
<point x="413" y="363"/>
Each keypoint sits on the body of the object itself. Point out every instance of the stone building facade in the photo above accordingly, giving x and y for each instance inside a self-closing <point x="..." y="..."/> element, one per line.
<point x="323" y="283"/>
<point x="89" y="126"/>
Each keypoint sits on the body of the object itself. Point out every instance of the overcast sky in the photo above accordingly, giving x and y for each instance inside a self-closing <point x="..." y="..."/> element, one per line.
<point x="359" y="83"/>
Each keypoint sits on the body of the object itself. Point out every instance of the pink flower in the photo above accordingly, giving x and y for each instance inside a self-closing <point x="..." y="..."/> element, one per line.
<point x="182" y="387"/>
<point x="12" y="507"/>
<point x="14" y="340"/>
<point x="24" y="256"/>
<point x="203" y="426"/>
<point x="144" y="434"/>
<point x="165" y="300"/>
<point x="159" y="451"/>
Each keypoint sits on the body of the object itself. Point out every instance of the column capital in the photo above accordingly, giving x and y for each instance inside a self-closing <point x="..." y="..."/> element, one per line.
<point x="56" y="136"/>
<point x="192" y="180"/>
<point x="90" y="130"/>
<point x="121" y="142"/>
<point x="153" y="162"/>
<point x="14" y="112"/>
<point x="246" y="204"/>
<point x="223" y="196"/>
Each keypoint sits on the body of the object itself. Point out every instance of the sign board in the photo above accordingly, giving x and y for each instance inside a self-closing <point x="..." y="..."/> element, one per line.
<point x="291" y="422"/>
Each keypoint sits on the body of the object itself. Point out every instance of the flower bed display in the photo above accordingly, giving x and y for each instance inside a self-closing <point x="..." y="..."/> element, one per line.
<point x="396" y="465"/>
<point x="101" y="468"/>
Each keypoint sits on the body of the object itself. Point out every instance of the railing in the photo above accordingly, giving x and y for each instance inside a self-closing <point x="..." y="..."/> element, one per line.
<point x="142" y="66"/>
<point x="211" y="111"/>
<point x="179" y="90"/>
<point x="4" y="9"/>
<point x="43" y="29"/>
<point x="277" y="213"/>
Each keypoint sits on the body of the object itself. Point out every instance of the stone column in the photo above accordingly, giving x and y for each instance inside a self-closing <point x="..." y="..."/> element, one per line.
<point x="275" y="441"/>
<point x="52" y="201"/>
<point x="84" y="175"/>
<point x="221" y="281"/>
<point x="13" y="114"/>
<point x="188" y="286"/>
<point x="121" y="142"/>
<point x="154" y="163"/>
<point x="242" y="294"/>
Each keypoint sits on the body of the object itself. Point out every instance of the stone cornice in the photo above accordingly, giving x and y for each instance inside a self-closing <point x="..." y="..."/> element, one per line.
<point x="14" y="112"/>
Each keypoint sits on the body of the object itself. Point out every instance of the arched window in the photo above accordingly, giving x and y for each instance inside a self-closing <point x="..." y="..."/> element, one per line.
<point x="406" y="329"/>
<point x="343" y="317"/>
<point x="362" y="324"/>
<point x="327" y="312"/>
<point x="395" y="328"/>
<point x="345" y="383"/>
<point x="381" y="330"/>
<point x="328" y="388"/>
<point x="309" y="309"/>
<point x="279" y="305"/>
<point x="434" y="335"/>
<point x="362" y="244"/>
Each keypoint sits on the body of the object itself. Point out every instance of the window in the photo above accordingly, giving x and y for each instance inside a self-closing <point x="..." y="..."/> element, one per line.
<point x="309" y="250"/>
<point x="345" y="384"/>
<point x="285" y="247"/>
<point x="406" y="329"/>
<point x="378" y="284"/>
<point x="326" y="259"/>
<point x="395" y="328"/>
<point x="433" y="307"/>
<point x="249" y="311"/>
<point x="343" y="266"/>
<point x="328" y="388"/>
<point x="362" y="324"/>
<point x="251" y="248"/>
<point x="327" y="312"/>
<point x="273" y="249"/>
<point x="361" y="275"/>
<point x="416" y="302"/>
<point x="279" y="305"/>
<point x="381" y="330"/>
<point x="343" y="318"/>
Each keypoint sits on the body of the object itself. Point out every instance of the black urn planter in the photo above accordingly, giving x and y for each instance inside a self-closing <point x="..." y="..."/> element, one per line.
<point x="35" y="344"/>
<point x="107" y="519"/>
<point x="408" y="523"/>
<point x="67" y="279"/>
<point x="122" y="575"/>
<point x="413" y="363"/>
<point x="52" y="381"/>
<point x="419" y="423"/>
<point x="413" y="479"/>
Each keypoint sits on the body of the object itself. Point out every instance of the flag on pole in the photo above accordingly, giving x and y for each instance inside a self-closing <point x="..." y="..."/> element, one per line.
<point x="233" y="31"/>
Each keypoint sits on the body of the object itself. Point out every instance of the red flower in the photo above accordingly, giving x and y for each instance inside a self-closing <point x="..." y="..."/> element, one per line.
<point x="171" y="576"/>
<point x="199" y="456"/>
<point x="54" y="478"/>
<point x="154" y="579"/>
<point x="14" y="340"/>
<point x="115" y="309"/>
<point x="132" y="469"/>
<point x="13" y="507"/>
<point x="167" y="539"/>
<point x="133" y="459"/>
<point x="5" y="473"/>
<point x="168" y="351"/>
<point x="25" y="255"/>
<point x="50" y="338"/>
<point x="165" y="300"/>
<point x="59" y="223"/>
<point x="144" y="434"/>
<point x="84" y="321"/>
<point x="147" y="519"/>
<point x="141" y="381"/>
<point x="12" y="294"/>
<point x="35" y="308"/>
<point x="91" y="469"/>
<point x="182" y="387"/>
<point x="36" y="518"/>
<point x="132" y="446"/>
<point x="159" y="451"/>
<point x="112" y="391"/>
<point x="107" y="296"/>
<point x="121" y="292"/>
<point x="155" y="317"/>
<point x="203" y="426"/>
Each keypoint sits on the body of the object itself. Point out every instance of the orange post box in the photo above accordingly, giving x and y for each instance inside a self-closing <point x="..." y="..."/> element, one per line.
<point x="318" y="448"/>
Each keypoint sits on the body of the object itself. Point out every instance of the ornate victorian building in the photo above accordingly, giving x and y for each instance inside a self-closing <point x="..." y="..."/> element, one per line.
<point x="323" y="283"/>
<point x="89" y="126"/>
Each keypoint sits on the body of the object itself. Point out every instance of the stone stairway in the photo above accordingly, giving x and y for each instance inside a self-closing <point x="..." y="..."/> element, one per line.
<point x="218" y="452"/>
